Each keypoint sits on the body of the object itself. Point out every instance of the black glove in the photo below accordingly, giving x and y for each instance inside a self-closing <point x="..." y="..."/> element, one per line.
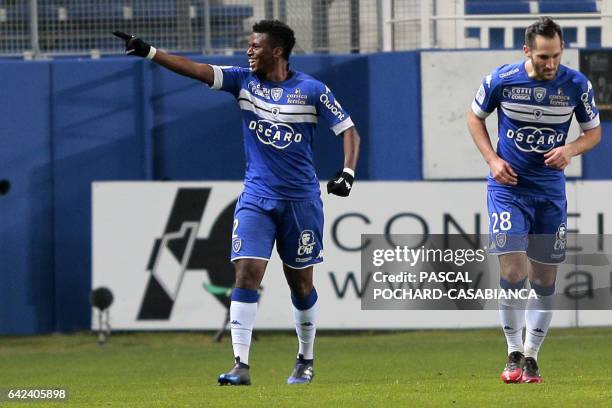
<point x="341" y="184"/>
<point x="135" y="46"/>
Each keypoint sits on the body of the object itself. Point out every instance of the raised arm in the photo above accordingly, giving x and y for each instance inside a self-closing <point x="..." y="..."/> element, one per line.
<point x="180" y="65"/>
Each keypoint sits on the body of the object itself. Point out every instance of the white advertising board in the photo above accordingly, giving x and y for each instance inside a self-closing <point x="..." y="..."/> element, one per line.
<point x="156" y="243"/>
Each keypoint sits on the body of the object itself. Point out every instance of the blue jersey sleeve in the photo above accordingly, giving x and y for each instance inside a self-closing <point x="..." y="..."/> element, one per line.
<point x="586" y="112"/>
<point x="488" y="95"/>
<point x="328" y="107"/>
<point x="228" y="78"/>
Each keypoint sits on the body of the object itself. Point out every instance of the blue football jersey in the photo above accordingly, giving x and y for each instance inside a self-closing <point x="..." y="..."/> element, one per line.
<point x="533" y="118"/>
<point x="278" y="122"/>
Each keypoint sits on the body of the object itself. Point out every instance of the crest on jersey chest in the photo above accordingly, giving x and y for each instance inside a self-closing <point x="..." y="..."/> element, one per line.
<point x="276" y="93"/>
<point x="539" y="93"/>
<point x="537" y="114"/>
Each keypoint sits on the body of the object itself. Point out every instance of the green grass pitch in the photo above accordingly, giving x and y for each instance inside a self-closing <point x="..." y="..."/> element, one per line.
<point x="420" y="369"/>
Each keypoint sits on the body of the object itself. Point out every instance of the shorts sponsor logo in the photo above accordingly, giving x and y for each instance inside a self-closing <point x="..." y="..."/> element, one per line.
<point x="539" y="93"/>
<point x="532" y="139"/>
<point x="278" y="135"/>
<point x="302" y="260"/>
<point x="306" y="243"/>
<point x="561" y="237"/>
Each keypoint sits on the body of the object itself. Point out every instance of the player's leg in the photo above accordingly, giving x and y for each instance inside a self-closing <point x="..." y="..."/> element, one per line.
<point x="546" y="251"/>
<point x="304" y="299"/>
<point x="538" y="317"/>
<point x="508" y="227"/>
<point x="243" y="310"/>
<point x="252" y="241"/>
<point x="513" y="274"/>
<point x="300" y="247"/>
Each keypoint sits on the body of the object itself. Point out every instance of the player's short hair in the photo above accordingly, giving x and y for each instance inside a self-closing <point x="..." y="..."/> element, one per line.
<point x="279" y="33"/>
<point x="545" y="27"/>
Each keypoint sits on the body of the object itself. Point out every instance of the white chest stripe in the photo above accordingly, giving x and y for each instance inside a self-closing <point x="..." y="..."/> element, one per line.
<point x="274" y="116"/>
<point x="537" y="114"/>
<point x="548" y="110"/>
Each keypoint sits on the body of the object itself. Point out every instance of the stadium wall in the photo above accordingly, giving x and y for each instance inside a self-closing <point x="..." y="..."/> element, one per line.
<point x="27" y="280"/>
<point x="69" y="122"/>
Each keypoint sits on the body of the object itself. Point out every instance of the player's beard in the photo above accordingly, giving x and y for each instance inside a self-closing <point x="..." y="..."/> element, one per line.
<point x="542" y="74"/>
<point x="550" y="75"/>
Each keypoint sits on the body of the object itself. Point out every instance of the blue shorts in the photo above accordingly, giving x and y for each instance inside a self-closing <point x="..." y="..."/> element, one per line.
<point x="296" y="226"/>
<point x="522" y="223"/>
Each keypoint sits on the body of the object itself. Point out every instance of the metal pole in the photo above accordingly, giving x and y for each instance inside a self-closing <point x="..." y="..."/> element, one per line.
<point x="380" y="25"/>
<point x="425" y="15"/>
<point x="354" y="25"/>
<point x="207" y="41"/>
<point x="320" y="35"/>
<point x="460" y="24"/>
<point x="606" y="23"/>
<point x="386" y="12"/>
<point x="282" y="10"/>
<point x="34" y="42"/>
<point x="183" y="25"/>
<point x="269" y="7"/>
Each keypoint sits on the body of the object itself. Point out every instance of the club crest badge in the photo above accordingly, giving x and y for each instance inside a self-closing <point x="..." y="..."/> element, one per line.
<point x="276" y="93"/>
<point x="236" y="244"/>
<point x="539" y="94"/>
<point x="500" y="239"/>
<point x="537" y="114"/>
